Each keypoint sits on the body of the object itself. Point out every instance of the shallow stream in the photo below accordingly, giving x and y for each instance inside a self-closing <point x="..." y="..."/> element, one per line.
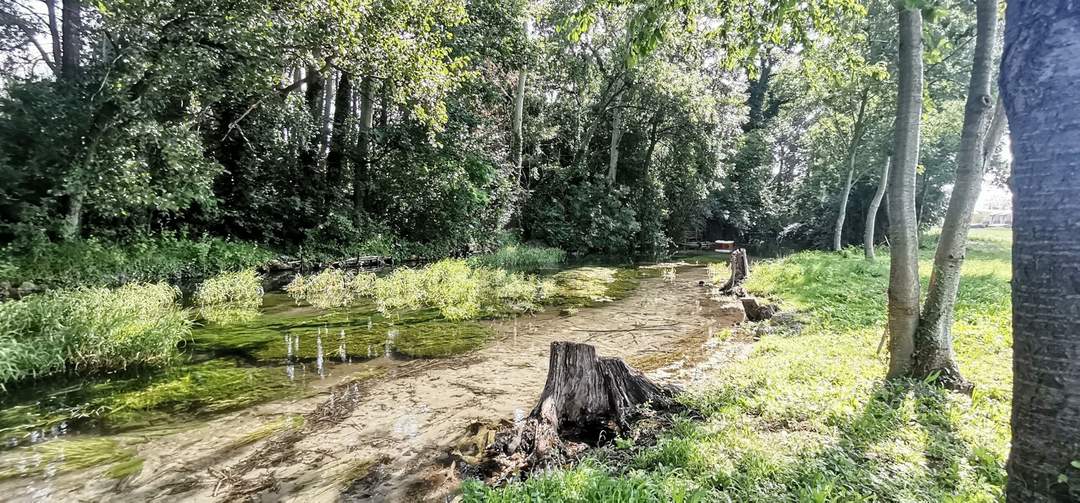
<point x="307" y="404"/>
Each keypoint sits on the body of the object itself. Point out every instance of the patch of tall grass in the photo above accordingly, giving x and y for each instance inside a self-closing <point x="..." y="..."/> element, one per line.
<point x="458" y="291"/>
<point x="331" y="288"/>
<point x="90" y="330"/>
<point x="230" y="297"/>
<point x="809" y="417"/>
<point x="520" y="258"/>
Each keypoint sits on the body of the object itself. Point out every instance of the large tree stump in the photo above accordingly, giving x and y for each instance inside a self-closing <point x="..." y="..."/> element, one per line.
<point x="587" y="401"/>
<point x="740" y="269"/>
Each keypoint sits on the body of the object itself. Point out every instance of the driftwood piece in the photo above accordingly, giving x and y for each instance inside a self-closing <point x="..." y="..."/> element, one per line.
<point x="586" y="401"/>
<point x="757" y="312"/>
<point x="740" y="269"/>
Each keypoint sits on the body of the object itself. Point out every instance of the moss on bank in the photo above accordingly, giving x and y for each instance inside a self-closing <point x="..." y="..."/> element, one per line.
<point x="808" y="417"/>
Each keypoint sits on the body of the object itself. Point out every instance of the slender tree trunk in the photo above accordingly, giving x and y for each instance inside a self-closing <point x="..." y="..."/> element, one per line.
<point x="1039" y="72"/>
<point x="363" y="165"/>
<point x="339" y="142"/>
<point x="54" y="38"/>
<point x="616" y="138"/>
<point x="903" y="228"/>
<point x="852" y="152"/>
<point x="516" y="135"/>
<point x="871" y="213"/>
<point x="933" y="340"/>
<point x="72" y="43"/>
<point x="327" y="115"/>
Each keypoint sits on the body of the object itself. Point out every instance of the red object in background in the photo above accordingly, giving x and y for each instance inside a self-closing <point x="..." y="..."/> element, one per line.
<point x="723" y="245"/>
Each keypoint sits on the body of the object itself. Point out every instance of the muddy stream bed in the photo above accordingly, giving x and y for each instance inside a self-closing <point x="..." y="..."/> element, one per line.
<point x="298" y="404"/>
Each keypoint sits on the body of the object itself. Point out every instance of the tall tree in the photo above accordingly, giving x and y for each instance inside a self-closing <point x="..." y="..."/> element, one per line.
<point x="1039" y="71"/>
<point x="933" y="340"/>
<point x="903" y="225"/>
<point x="71" y="28"/>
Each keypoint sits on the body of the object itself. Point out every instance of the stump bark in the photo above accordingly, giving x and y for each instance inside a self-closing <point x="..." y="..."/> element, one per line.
<point x="587" y="401"/>
<point x="740" y="269"/>
<point x="757" y="312"/>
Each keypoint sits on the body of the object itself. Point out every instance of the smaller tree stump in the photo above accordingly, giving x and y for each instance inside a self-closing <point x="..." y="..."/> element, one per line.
<point x="740" y="269"/>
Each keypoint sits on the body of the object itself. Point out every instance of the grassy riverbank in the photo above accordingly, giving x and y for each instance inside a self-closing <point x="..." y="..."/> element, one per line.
<point x="807" y="416"/>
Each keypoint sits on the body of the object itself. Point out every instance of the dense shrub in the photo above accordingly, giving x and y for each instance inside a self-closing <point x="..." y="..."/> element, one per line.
<point x="90" y="330"/>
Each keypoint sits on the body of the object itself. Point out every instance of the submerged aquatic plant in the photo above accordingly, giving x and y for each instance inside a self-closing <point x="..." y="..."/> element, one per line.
<point x="230" y="297"/>
<point x="331" y="288"/>
<point x="590" y="285"/>
<point x="65" y="455"/>
<point x="90" y="329"/>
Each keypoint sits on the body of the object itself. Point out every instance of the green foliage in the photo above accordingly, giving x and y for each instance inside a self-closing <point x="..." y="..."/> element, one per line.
<point x="520" y="258"/>
<point x="807" y="416"/>
<point x="95" y="262"/>
<point x="90" y="330"/>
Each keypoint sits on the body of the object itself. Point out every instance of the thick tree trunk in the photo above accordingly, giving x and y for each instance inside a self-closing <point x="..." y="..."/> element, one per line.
<point x="516" y="135"/>
<point x="933" y="340"/>
<point x="339" y="143"/>
<point x="313" y="94"/>
<point x="759" y="91"/>
<point x="1039" y="72"/>
<point x="871" y="213"/>
<point x="72" y="30"/>
<point x="363" y="151"/>
<point x="587" y="400"/>
<point x="903" y="227"/>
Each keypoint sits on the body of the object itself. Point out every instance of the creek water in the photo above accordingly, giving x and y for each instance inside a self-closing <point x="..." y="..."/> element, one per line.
<point x="295" y="403"/>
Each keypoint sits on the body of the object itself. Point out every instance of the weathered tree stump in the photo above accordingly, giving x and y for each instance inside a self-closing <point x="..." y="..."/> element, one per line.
<point x="587" y="401"/>
<point x="757" y="312"/>
<point x="740" y="269"/>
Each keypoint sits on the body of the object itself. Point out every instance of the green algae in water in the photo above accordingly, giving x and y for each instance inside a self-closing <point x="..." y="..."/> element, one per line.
<point x="435" y="339"/>
<point x="588" y="286"/>
<point x="66" y="455"/>
<point x="120" y="404"/>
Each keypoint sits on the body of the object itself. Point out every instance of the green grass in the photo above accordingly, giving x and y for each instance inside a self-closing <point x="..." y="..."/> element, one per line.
<point x="458" y="290"/>
<point x="808" y="417"/>
<point x="90" y="330"/>
<point x="93" y="262"/>
<point x="331" y="288"/>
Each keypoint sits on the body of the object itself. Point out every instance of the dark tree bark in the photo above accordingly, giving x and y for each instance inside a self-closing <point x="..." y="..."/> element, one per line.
<point x="72" y="30"/>
<point x="933" y="340"/>
<point x="339" y="143"/>
<point x="903" y="225"/>
<point x="759" y="91"/>
<point x="1039" y="72"/>
<point x="363" y="151"/>
<point x="872" y="211"/>
<point x="587" y="400"/>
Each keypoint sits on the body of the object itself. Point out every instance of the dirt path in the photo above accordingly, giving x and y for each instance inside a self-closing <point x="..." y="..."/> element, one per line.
<point x="382" y="440"/>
